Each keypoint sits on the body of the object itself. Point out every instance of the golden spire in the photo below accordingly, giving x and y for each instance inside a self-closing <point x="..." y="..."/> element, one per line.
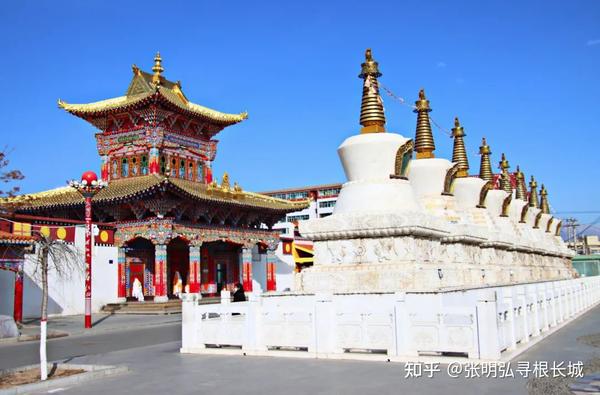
<point x="157" y="68"/>
<point x="372" y="117"/>
<point x="485" y="167"/>
<point x="521" y="188"/>
<point x="504" y="176"/>
<point x="459" y="153"/>
<point x="424" y="145"/>
<point x="533" y="196"/>
<point x="544" y="204"/>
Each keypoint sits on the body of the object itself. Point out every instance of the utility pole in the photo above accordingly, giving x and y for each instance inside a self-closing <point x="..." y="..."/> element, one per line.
<point x="571" y="225"/>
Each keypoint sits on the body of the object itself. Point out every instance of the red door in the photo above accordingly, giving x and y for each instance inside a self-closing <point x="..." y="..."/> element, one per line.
<point x="136" y="270"/>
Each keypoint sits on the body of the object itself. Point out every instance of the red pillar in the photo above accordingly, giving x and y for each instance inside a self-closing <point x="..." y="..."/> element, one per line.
<point x="194" y="270"/>
<point x="271" y="280"/>
<point x="88" y="261"/>
<point x="160" y="273"/>
<point x="247" y="269"/>
<point x="122" y="287"/>
<point x="18" y="301"/>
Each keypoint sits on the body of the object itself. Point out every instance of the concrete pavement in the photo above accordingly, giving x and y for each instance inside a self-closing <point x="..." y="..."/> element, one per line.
<point x="161" y="369"/>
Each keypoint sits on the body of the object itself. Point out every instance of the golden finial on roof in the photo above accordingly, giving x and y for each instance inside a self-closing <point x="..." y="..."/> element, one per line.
<point x="136" y="70"/>
<point x="236" y="187"/>
<point x="485" y="167"/>
<point x="544" y="201"/>
<point x="504" y="176"/>
<point x="372" y="116"/>
<point x="157" y="69"/>
<point x="424" y="144"/>
<point x="225" y="181"/>
<point x="533" y="196"/>
<point x="459" y="153"/>
<point x="521" y="188"/>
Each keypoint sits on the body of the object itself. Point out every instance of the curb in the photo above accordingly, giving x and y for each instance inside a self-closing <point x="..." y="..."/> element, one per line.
<point x="26" y="338"/>
<point x="92" y="372"/>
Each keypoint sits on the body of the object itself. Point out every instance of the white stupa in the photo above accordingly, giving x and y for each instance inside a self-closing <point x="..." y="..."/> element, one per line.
<point x="404" y="224"/>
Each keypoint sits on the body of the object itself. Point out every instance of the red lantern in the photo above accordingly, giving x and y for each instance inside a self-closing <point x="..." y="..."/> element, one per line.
<point x="89" y="177"/>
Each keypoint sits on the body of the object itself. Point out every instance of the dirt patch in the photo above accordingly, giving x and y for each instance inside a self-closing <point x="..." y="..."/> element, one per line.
<point x="591" y="340"/>
<point x="30" y="376"/>
<point x="559" y="385"/>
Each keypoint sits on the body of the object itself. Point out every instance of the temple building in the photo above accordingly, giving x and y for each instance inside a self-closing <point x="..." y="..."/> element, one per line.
<point x="163" y="214"/>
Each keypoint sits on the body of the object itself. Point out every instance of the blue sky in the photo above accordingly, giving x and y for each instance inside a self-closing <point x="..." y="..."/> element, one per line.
<point x="523" y="74"/>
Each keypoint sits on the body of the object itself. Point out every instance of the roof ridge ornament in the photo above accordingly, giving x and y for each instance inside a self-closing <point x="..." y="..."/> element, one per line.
<point x="372" y="113"/>
<point x="459" y="153"/>
<point x="424" y="144"/>
<point x="485" y="167"/>
<point x="157" y="69"/>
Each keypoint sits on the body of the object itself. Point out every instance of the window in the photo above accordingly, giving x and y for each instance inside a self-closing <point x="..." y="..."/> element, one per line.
<point x="190" y="171"/>
<point x="329" y="192"/>
<point x="163" y="165"/>
<point x="329" y="203"/>
<point x="115" y="169"/>
<point x="173" y="167"/>
<point x="294" y="218"/>
<point x="200" y="171"/>
<point x="134" y="166"/>
<point x="124" y="168"/>
<point x="182" y="169"/>
<point x="144" y="165"/>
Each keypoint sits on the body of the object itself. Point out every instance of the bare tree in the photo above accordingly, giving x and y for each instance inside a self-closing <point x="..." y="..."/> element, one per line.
<point x="8" y="176"/>
<point x="64" y="260"/>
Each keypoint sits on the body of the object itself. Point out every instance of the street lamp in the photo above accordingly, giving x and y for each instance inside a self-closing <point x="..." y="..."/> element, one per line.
<point x="88" y="186"/>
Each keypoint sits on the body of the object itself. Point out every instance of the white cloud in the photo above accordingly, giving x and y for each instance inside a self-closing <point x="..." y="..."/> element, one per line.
<point x="590" y="43"/>
<point x="441" y="64"/>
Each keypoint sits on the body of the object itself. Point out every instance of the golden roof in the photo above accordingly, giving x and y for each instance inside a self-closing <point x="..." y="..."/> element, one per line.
<point x="145" y="87"/>
<point x="135" y="187"/>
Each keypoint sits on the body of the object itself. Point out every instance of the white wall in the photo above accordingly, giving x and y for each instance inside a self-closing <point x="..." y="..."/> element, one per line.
<point x="66" y="295"/>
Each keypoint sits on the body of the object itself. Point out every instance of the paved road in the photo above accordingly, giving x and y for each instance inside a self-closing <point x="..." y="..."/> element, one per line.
<point x="161" y="369"/>
<point x="19" y="354"/>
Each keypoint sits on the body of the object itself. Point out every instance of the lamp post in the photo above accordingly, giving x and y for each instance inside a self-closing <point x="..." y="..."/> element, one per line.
<point x="88" y="186"/>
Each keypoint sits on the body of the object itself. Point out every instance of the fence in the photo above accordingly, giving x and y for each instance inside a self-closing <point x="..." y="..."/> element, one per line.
<point x="476" y="323"/>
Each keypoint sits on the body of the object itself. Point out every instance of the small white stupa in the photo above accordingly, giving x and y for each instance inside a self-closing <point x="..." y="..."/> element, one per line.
<point x="404" y="224"/>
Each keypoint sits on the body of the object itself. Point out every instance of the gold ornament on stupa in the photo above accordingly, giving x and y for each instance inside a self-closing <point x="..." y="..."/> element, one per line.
<point x="544" y="201"/>
<point x="424" y="144"/>
<point x="521" y="188"/>
<point x="459" y="153"/>
<point x="533" y="196"/>
<point x="485" y="167"/>
<point x="504" y="176"/>
<point x="157" y="69"/>
<point x="372" y="116"/>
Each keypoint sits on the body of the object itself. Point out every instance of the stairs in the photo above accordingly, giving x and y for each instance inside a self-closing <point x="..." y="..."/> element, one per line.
<point x="171" y="307"/>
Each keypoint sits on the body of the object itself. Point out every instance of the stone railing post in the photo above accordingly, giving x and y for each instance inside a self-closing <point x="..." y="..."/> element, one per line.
<point x="522" y="300"/>
<point x="324" y="326"/>
<point x="532" y="298"/>
<point x="191" y="322"/>
<point x="253" y="337"/>
<point x="402" y="327"/>
<point x="487" y="324"/>
<point x="512" y="338"/>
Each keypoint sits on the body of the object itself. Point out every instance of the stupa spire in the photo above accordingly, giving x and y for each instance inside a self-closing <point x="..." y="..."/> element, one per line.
<point x="521" y="188"/>
<point x="424" y="144"/>
<point x="544" y="201"/>
<point x="459" y="153"/>
<point x="504" y="176"/>
<point x="533" y="196"/>
<point x="372" y="116"/>
<point x="157" y="69"/>
<point x="485" y="167"/>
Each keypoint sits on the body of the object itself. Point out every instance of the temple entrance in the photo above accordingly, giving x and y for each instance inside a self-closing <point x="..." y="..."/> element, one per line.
<point x="178" y="263"/>
<point x="220" y="267"/>
<point x="139" y="263"/>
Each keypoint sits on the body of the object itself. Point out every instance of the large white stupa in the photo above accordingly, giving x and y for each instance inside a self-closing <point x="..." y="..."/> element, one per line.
<point x="422" y="223"/>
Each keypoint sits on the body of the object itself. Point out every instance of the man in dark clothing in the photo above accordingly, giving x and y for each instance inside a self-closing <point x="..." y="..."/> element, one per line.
<point x="239" y="295"/>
